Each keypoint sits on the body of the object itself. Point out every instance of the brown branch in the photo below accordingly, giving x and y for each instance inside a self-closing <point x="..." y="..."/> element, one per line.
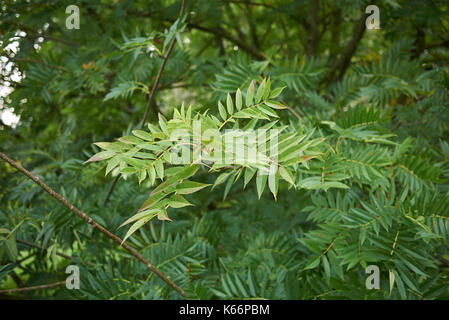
<point x="34" y="245"/>
<point x="224" y="34"/>
<point x="312" y="26"/>
<point x="342" y="63"/>
<point x="111" y="189"/>
<point x="442" y="260"/>
<point x="161" y="70"/>
<point x="151" y="95"/>
<point x="92" y="222"/>
<point x="252" y="26"/>
<point x="44" y="286"/>
<point x="35" y="34"/>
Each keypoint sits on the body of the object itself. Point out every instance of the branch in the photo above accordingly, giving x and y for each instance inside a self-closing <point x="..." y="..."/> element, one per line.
<point x="312" y="21"/>
<point x="92" y="222"/>
<point x="151" y="95"/>
<point x="34" y="245"/>
<point x="342" y="63"/>
<point x="222" y="33"/>
<point x="161" y="69"/>
<point x="32" y="33"/>
<point x="44" y="286"/>
<point x="252" y="26"/>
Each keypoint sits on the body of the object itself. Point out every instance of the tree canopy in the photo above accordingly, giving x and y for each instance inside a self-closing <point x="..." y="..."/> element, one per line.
<point x="224" y="149"/>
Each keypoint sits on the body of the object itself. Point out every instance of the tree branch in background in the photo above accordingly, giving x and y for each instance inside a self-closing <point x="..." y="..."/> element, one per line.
<point x="339" y="67"/>
<point x="252" y="26"/>
<point x="223" y="34"/>
<point x="44" y="286"/>
<point x="151" y="95"/>
<point x="92" y="222"/>
<point x="312" y="28"/>
<point x="37" y="246"/>
<point x="161" y="70"/>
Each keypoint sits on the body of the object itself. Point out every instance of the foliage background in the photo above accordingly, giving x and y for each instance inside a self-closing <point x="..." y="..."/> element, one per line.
<point x="75" y="87"/>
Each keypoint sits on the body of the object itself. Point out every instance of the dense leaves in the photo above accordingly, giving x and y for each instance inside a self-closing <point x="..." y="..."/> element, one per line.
<point x="287" y="148"/>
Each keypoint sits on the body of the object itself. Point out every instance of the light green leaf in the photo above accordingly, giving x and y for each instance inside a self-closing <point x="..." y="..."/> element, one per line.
<point x="222" y="111"/>
<point x="260" y="91"/>
<point x="178" y="201"/>
<point x="261" y="181"/>
<point x="287" y="175"/>
<point x="249" y="174"/>
<point x="250" y="94"/>
<point x="142" y="135"/>
<point x="188" y="187"/>
<point x="276" y="92"/>
<point x="238" y="100"/>
<point x="136" y="226"/>
<point x="159" y="166"/>
<point x="273" y="182"/>
<point x="275" y="105"/>
<point x="102" y="155"/>
<point x="229" y="104"/>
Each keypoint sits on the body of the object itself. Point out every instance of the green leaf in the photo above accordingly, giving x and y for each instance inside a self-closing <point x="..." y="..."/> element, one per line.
<point x="267" y="111"/>
<point x="178" y="201"/>
<point x="111" y="165"/>
<point x="162" y="215"/>
<point x="260" y="91"/>
<point x="249" y="174"/>
<point x="142" y="135"/>
<point x="222" y="111"/>
<point x="187" y="172"/>
<point x="11" y="247"/>
<point x="327" y="270"/>
<point x="136" y="226"/>
<point x="313" y="263"/>
<point x="229" y="104"/>
<point x="159" y="166"/>
<point x="275" y="105"/>
<point x="276" y="92"/>
<point x="287" y="175"/>
<point x="102" y="155"/>
<point x="273" y="181"/>
<point x="142" y="175"/>
<point x="140" y="215"/>
<point x="261" y="181"/>
<point x="128" y="170"/>
<point x="266" y="89"/>
<point x="110" y="146"/>
<point x="130" y="140"/>
<point x="221" y="178"/>
<point x="238" y="100"/>
<point x="188" y="187"/>
<point x="250" y="94"/>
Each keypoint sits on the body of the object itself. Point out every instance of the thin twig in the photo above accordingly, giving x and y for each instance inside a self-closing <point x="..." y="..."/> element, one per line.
<point x="161" y="70"/>
<point x="151" y="95"/>
<point x="110" y="190"/>
<point x="91" y="221"/>
<point x="339" y="67"/>
<point x="35" y="245"/>
<point x="224" y="34"/>
<point x="44" y="286"/>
